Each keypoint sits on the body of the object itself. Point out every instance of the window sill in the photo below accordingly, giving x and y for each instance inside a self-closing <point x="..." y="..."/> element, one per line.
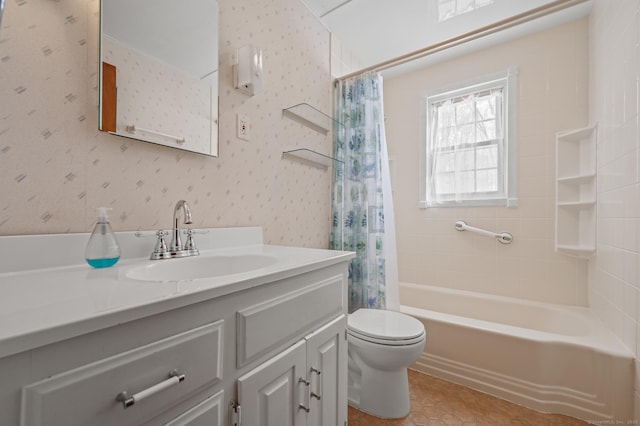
<point x="511" y="204"/>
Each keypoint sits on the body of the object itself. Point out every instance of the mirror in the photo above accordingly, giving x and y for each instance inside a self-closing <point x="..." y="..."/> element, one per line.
<point x="159" y="72"/>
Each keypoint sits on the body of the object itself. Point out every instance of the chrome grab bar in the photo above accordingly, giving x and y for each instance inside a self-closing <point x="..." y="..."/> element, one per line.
<point x="503" y="237"/>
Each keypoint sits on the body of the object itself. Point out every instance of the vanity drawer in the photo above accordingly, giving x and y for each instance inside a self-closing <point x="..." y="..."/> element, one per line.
<point x="80" y="396"/>
<point x="207" y="413"/>
<point x="271" y="323"/>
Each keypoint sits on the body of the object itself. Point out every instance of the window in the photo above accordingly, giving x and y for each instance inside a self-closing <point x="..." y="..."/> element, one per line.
<point x="448" y="9"/>
<point x="470" y="144"/>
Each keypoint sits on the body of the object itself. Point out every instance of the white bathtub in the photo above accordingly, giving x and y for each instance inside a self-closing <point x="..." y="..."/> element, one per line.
<point x="552" y="358"/>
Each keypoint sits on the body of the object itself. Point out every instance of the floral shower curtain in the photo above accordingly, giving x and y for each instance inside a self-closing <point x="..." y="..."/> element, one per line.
<point x="363" y="219"/>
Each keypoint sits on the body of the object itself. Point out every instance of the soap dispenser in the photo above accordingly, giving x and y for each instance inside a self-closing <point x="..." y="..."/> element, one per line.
<point x="102" y="249"/>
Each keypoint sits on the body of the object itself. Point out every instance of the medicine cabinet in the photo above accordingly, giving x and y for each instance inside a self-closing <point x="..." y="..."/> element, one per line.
<point x="159" y="72"/>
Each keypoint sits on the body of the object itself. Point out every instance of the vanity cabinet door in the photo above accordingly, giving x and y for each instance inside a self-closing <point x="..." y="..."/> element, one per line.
<point x="271" y="394"/>
<point x="327" y="373"/>
<point x="208" y="413"/>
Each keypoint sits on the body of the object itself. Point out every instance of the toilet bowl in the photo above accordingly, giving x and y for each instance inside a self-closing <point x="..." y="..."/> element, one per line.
<point x="382" y="344"/>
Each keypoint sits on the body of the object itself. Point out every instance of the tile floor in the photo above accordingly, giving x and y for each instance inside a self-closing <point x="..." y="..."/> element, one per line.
<point x="437" y="402"/>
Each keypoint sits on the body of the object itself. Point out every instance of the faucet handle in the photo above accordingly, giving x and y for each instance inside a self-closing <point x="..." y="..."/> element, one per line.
<point x="195" y="231"/>
<point x="161" y="245"/>
<point x="190" y="244"/>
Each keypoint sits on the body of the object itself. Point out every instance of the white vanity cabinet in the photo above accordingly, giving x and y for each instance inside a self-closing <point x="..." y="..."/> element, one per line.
<point x="207" y="413"/>
<point x="186" y="363"/>
<point x="303" y="385"/>
<point x="151" y="377"/>
<point x="327" y="374"/>
<point x="272" y="394"/>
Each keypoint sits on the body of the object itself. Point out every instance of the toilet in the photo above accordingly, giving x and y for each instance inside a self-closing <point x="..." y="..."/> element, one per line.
<point x="382" y="344"/>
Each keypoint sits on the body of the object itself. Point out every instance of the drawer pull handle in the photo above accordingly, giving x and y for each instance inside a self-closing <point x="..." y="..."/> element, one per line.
<point x="128" y="401"/>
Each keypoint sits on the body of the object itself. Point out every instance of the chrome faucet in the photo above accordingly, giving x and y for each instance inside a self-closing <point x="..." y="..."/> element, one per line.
<point x="176" y="242"/>
<point x="175" y="248"/>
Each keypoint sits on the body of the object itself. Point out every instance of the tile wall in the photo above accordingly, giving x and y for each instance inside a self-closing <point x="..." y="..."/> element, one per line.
<point x="343" y="60"/>
<point x="55" y="167"/>
<point x="614" y="287"/>
<point x="553" y="96"/>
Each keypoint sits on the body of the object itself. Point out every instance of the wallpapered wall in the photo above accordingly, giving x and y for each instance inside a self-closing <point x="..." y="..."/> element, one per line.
<point x="55" y="167"/>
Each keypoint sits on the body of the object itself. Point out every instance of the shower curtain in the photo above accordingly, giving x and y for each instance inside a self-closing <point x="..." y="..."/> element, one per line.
<point x="363" y="219"/>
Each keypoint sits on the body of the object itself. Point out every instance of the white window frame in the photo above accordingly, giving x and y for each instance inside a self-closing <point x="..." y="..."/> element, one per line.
<point x="456" y="7"/>
<point x="507" y="81"/>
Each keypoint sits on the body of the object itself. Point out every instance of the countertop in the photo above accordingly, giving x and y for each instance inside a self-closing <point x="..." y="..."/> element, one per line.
<point x="42" y="305"/>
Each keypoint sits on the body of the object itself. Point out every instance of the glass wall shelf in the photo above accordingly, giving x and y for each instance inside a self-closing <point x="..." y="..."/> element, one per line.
<point x="311" y="157"/>
<point x="311" y="117"/>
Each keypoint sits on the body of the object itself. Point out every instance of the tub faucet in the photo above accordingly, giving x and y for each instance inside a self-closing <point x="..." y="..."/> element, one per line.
<point x="176" y="248"/>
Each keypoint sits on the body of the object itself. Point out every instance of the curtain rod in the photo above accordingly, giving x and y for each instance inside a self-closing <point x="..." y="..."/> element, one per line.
<point x="504" y="24"/>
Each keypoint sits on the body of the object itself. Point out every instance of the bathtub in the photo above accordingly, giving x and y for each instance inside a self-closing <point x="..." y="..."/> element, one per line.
<point x="551" y="358"/>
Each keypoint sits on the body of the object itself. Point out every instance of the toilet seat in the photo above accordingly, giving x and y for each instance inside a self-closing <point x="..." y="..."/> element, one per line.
<point x="385" y="327"/>
<point x="387" y="342"/>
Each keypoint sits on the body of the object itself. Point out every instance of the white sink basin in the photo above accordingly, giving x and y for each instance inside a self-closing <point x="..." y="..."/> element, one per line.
<point x="198" y="267"/>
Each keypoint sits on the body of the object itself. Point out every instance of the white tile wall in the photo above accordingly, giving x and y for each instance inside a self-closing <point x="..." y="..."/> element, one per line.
<point x="614" y="288"/>
<point x="55" y="167"/>
<point x="553" y="86"/>
<point x="343" y="61"/>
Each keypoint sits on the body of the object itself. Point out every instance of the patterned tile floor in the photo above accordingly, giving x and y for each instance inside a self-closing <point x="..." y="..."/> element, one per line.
<point x="435" y="402"/>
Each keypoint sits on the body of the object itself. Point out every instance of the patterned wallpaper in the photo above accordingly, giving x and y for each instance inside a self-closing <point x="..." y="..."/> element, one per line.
<point x="55" y="167"/>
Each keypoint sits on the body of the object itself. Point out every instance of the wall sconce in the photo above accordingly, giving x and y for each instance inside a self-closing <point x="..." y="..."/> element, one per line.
<point x="247" y="73"/>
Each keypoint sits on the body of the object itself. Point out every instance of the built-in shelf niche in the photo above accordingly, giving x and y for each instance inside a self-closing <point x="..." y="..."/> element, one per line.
<point x="575" y="227"/>
<point x="318" y="121"/>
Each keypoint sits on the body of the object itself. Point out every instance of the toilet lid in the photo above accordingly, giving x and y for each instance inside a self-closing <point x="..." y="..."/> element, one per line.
<point x="385" y="325"/>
